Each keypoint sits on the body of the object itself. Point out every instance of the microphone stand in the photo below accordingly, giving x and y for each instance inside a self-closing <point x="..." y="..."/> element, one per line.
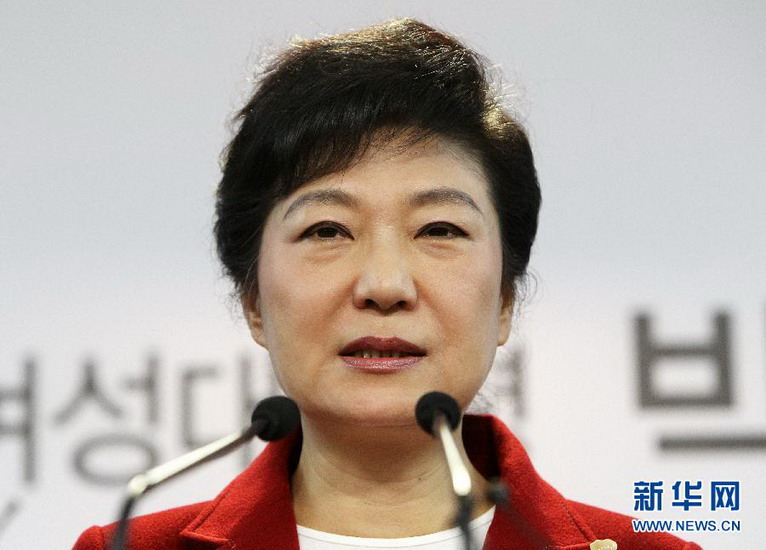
<point x="272" y="419"/>
<point x="144" y="482"/>
<point x="459" y="476"/>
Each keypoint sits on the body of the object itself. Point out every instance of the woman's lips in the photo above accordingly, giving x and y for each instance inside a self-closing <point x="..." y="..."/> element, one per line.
<point x="381" y="365"/>
<point x="364" y="354"/>
<point x="382" y="344"/>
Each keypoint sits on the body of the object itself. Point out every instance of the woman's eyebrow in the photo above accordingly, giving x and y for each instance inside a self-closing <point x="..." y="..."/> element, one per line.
<point x="322" y="196"/>
<point x="440" y="195"/>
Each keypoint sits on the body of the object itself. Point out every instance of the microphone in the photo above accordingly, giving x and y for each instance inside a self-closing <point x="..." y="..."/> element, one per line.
<point x="438" y="414"/>
<point x="272" y="419"/>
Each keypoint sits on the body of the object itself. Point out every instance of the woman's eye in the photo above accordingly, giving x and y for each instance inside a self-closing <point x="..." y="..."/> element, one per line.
<point x="442" y="230"/>
<point x="325" y="232"/>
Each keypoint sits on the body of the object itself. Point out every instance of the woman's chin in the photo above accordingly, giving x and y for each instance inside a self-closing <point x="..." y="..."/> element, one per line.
<point x="372" y="410"/>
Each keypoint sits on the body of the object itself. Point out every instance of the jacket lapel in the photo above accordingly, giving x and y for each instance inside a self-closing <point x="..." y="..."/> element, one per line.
<point x="255" y="511"/>
<point x="537" y="516"/>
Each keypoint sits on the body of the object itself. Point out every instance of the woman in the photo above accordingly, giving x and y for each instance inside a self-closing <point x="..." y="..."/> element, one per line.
<point x="376" y="214"/>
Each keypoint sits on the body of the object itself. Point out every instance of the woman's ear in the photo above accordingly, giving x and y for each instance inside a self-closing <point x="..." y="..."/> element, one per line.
<point x="251" y="307"/>
<point x="506" y="314"/>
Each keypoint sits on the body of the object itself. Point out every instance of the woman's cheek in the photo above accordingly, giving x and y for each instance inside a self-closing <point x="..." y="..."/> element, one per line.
<point x="471" y="294"/>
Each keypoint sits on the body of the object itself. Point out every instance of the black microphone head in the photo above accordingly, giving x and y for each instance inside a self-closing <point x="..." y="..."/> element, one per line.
<point x="433" y="404"/>
<point x="279" y="416"/>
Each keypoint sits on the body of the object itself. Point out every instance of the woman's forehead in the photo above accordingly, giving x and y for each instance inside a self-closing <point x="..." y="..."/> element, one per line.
<point x="424" y="167"/>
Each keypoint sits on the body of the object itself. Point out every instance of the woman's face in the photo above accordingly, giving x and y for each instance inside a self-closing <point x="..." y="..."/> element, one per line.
<point x="381" y="283"/>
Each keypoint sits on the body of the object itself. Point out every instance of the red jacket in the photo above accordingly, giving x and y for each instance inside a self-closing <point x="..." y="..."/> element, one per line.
<point x="255" y="511"/>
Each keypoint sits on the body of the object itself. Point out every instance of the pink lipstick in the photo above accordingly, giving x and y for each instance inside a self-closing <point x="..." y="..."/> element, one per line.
<point x="381" y="355"/>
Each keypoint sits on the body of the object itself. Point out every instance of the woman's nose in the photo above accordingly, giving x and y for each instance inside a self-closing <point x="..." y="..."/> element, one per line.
<point x="385" y="281"/>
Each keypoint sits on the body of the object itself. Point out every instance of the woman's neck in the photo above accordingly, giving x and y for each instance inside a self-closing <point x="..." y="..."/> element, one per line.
<point x="384" y="482"/>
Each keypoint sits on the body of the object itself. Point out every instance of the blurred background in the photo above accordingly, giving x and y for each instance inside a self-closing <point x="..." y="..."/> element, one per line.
<point x="639" y="355"/>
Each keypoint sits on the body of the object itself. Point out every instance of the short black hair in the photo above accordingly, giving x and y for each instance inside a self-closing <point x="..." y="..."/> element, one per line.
<point x="318" y="106"/>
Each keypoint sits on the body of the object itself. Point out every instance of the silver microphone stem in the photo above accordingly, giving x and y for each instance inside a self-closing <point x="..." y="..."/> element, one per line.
<point x="142" y="483"/>
<point x="146" y="481"/>
<point x="460" y="477"/>
<point x="272" y="419"/>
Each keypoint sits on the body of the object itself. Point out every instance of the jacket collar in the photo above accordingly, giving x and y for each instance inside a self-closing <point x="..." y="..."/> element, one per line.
<point x="255" y="510"/>
<point x="537" y="516"/>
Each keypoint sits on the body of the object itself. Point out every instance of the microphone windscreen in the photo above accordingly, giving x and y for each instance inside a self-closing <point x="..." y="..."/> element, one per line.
<point x="435" y="403"/>
<point x="279" y="416"/>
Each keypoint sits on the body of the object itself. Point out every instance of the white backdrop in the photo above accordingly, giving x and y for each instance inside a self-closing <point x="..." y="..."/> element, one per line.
<point x="648" y="122"/>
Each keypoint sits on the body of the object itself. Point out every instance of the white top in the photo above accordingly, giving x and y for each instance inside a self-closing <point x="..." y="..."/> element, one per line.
<point x="311" y="539"/>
